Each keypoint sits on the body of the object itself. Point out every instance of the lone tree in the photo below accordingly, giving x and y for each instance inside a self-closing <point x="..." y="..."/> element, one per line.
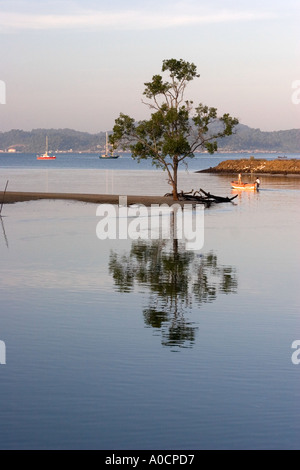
<point x="176" y="129"/>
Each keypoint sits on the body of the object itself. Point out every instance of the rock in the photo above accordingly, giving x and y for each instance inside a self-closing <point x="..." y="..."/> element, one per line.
<point x="283" y="167"/>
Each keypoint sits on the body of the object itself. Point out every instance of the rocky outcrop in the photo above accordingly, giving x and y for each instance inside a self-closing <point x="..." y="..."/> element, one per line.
<point x="251" y="165"/>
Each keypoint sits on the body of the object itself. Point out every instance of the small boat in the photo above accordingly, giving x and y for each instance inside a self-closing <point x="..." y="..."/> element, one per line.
<point x="249" y="186"/>
<point x="282" y="157"/>
<point x="46" y="156"/>
<point x="106" y="155"/>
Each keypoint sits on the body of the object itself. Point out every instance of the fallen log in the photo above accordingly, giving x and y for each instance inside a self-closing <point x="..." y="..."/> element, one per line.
<point x="197" y="197"/>
<point x="189" y="197"/>
<point x="218" y="198"/>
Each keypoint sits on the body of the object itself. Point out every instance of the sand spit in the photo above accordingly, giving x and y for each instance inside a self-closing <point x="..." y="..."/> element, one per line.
<point x="12" y="197"/>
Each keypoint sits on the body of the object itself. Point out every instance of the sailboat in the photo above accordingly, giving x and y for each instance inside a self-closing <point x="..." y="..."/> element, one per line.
<point x="45" y="155"/>
<point x="106" y="155"/>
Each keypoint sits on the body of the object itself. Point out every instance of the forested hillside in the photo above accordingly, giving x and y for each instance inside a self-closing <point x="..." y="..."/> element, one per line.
<point x="244" y="139"/>
<point x="59" y="140"/>
<point x="250" y="139"/>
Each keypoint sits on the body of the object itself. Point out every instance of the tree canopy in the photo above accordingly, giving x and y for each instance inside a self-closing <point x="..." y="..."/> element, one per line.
<point x="176" y="129"/>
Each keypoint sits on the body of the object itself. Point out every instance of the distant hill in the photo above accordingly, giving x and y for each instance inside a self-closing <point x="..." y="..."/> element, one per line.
<point x="249" y="139"/>
<point x="64" y="140"/>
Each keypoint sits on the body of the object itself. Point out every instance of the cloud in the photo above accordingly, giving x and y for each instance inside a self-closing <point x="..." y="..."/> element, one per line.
<point x="124" y="20"/>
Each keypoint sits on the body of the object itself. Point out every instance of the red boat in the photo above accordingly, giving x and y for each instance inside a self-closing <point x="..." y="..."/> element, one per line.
<point x="45" y="156"/>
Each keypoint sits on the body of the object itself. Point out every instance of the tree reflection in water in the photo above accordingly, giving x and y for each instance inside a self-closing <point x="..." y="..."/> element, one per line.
<point x="3" y="231"/>
<point x="176" y="279"/>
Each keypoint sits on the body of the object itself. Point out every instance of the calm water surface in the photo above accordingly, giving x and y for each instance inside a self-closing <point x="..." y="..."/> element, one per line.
<point x="142" y="344"/>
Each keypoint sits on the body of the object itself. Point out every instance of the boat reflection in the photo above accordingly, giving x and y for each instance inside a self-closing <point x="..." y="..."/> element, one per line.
<point x="176" y="280"/>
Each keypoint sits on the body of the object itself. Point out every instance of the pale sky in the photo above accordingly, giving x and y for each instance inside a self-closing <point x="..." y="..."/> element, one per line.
<point x="79" y="63"/>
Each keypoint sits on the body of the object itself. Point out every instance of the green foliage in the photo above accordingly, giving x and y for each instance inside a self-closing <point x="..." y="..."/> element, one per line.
<point x="156" y="87"/>
<point x="180" y="70"/>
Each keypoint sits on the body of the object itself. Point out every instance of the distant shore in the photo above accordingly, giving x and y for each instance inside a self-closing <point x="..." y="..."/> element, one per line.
<point x="258" y="166"/>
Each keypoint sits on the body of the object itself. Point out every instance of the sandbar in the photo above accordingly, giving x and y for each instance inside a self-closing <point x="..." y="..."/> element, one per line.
<point x="11" y="197"/>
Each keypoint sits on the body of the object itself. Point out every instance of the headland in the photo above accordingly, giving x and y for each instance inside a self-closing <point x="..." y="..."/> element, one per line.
<point x="257" y="166"/>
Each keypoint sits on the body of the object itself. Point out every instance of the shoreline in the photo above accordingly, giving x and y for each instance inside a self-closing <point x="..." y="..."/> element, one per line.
<point x="11" y="197"/>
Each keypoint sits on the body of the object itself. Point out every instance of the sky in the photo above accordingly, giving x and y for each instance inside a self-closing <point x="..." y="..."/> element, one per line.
<point x="78" y="63"/>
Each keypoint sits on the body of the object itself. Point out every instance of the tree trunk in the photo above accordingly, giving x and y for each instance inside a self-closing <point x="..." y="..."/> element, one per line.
<point x="175" y="195"/>
<point x="174" y="179"/>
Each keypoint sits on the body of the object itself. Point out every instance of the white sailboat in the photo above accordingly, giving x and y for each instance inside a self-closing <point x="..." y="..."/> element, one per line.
<point x="107" y="155"/>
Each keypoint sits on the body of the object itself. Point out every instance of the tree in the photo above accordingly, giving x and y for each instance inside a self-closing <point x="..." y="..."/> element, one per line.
<point x="175" y="130"/>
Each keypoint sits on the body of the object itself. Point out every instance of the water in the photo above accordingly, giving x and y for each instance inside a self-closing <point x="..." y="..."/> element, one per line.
<point x="26" y="173"/>
<point x="144" y="345"/>
<point x="92" y="161"/>
<point x="124" y="162"/>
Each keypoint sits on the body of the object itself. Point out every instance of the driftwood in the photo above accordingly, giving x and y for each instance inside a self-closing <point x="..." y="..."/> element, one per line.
<point x="218" y="198"/>
<point x="197" y="197"/>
